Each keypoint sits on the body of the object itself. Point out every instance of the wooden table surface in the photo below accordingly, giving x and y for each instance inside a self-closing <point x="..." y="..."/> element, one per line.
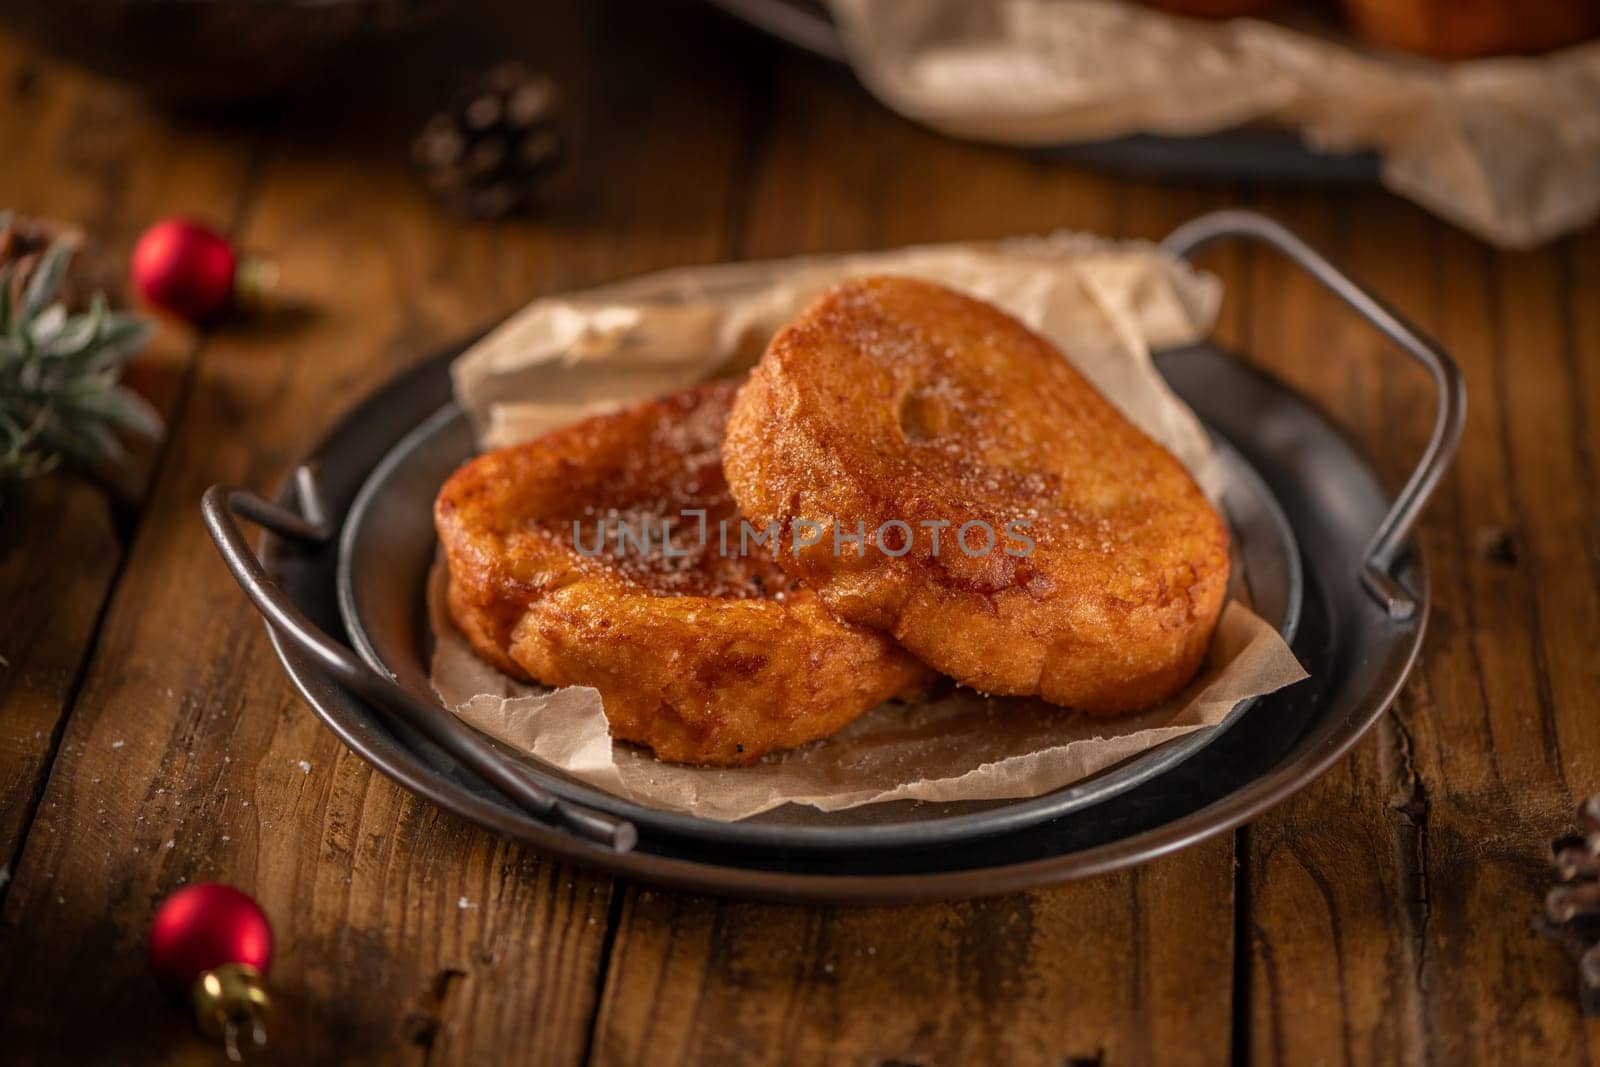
<point x="148" y="738"/>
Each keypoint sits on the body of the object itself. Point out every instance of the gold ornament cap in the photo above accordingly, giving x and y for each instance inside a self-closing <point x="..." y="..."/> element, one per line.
<point x="231" y="1006"/>
<point x="255" y="283"/>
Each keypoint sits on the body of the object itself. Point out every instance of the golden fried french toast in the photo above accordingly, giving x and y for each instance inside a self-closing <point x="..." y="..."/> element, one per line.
<point x="564" y="570"/>
<point x="1016" y="531"/>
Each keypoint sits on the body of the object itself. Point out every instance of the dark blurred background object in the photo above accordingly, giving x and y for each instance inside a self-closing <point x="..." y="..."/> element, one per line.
<point x="213" y="53"/>
<point x="1457" y="29"/>
<point x="1256" y="151"/>
<point x="1215" y="9"/>
<point x="487" y="153"/>
<point x="209" y="53"/>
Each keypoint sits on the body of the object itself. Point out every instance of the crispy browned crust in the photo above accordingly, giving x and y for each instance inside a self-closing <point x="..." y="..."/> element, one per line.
<point x="897" y="399"/>
<point x="707" y="658"/>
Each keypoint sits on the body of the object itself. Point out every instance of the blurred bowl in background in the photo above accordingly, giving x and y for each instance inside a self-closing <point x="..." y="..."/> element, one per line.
<point x="206" y="53"/>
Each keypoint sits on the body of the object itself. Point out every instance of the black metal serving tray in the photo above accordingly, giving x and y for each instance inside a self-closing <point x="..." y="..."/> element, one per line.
<point x="1353" y="596"/>
<point x="388" y="542"/>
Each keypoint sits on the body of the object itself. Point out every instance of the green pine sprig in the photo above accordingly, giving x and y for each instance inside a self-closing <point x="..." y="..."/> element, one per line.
<point x="61" y="397"/>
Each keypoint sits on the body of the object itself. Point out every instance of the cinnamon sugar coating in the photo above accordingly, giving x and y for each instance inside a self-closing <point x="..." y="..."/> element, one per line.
<point x="894" y="399"/>
<point x="704" y="655"/>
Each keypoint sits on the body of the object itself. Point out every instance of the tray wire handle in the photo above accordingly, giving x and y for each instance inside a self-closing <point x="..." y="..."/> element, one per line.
<point x="219" y="506"/>
<point x="1383" y="552"/>
<point x="794" y="23"/>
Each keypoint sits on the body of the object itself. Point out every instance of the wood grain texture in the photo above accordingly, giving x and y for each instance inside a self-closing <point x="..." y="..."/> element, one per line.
<point x="403" y="934"/>
<point x="1527" y="626"/>
<point x="1130" y="969"/>
<point x="1106" y="971"/>
<point x="44" y="644"/>
<point x="1330" y="976"/>
<point x="99" y="160"/>
<point x="1393" y="901"/>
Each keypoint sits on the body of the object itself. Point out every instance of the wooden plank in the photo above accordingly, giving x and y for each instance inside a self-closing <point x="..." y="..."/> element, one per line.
<point x="1322" y="987"/>
<point x="1502" y="768"/>
<point x="89" y="154"/>
<point x="1096" y="972"/>
<point x="1135" y="967"/>
<point x="403" y="934"/>
<point x="1392" y="902"/>
<point x="1330" y="975"/>
<point x="47" y="633"/>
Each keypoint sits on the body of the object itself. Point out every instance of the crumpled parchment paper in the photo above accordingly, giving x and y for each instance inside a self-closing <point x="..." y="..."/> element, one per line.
<point x="1507" y="148"/>
<point x="564" y="357"/>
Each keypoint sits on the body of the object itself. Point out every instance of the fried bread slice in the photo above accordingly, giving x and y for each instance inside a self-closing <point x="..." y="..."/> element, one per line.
<point x="702" y="649"/>
<point x="1021" y="535"/>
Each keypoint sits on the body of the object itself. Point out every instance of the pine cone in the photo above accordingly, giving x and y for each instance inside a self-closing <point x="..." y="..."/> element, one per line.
<point x="1572" y="909"/>
<point x="489" y="152"/>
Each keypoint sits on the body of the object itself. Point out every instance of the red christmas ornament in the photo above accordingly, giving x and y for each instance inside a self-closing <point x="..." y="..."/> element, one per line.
<point x="191" y="270"/>
<point x="213" y="943"/>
